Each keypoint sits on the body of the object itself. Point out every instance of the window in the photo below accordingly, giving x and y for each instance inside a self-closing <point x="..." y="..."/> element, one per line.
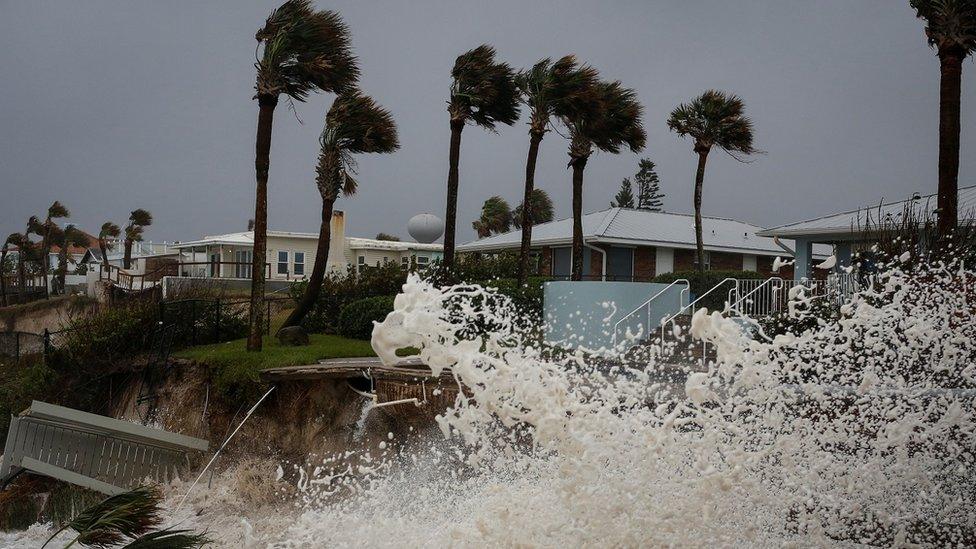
<point x="405" y="262"/>
<point x="361" y="260"/>
<point x="423" y="260"/>
<point x="562" y="261"/>
<point x="620" y="263"/>
<point x="282" y="263"/>
<point x="298" y="268"/>
<point x="242" y="260"/>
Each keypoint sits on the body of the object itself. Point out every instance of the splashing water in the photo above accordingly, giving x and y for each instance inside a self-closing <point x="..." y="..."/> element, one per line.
<point x="858" y="430"/>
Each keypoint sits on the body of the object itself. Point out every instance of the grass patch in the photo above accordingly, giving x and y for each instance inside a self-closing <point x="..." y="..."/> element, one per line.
<point x="235" y="371"/>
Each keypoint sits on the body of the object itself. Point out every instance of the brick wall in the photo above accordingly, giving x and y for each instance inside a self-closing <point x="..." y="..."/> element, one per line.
<point x="684" y="260"/>
<point x="596" y="263"/>
<point x="724" y="261"/>
<point x="645" y="263"/>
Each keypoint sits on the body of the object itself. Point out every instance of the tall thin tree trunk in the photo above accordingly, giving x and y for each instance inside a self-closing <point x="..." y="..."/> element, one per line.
<point x="3" y="278"/>
<point x="450" y="216"/>
<point x="22" y="270"/>
<point x="950" y="89"/>
<point x="579" y="164"/>
<point x="535" y="138"/>
<point x="104" y="250"/>
<point x="318" y="269"/>
<point x="262" y="164"/>
<point x="127" y="256"/>
<point x="699" y="181"/>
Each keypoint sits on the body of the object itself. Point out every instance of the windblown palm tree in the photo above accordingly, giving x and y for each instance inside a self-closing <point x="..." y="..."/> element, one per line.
<point x="496" y="217"/>
<point x="354" y="125"/>
<point x="713" y="119"/>
<point x="482" y="92"/>
<point x="70" y="236"/>
<point x="11" y="240"/>
<point x="950" y="26"/>
<point x="139" y="219"/>
<point x="108" y="231"/>
<point x="549" y="89"/>
<point x="304" y="51"/>
<point x="542" y="210"/>
<point x="610" y="123"/>
<point x="23" y="244"/>
<point x="46" y="230"/>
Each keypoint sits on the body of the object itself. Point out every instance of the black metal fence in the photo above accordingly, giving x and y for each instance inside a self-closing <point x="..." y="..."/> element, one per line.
<point x="17" y="345"/>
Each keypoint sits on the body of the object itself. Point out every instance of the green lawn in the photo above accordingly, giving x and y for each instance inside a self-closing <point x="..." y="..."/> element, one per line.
<point x="233" y="353"/>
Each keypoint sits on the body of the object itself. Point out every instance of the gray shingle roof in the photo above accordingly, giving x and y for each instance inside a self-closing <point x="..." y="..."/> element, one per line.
<point x="642" y="227"/>
<point x="856" y="220"/>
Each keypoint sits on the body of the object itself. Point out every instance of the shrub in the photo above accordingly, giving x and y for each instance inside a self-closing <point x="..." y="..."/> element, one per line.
<point x="472" y="267"/>
<point x="356" y="319"/>
<point x="341" y="289"/>
<point x="528" y="298"/>
<point x="705" y="281"/>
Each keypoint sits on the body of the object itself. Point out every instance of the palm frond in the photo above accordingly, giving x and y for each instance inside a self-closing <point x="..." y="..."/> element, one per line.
<point x="559" y="88"/>
<point x="715" y="118"/>
<point x="109" y="230"/>
<point x="304" y="50"/>
<point x="541" y="209"/>
<point x="57" y="210"/>
<point x="496" y="217"/>
<point x="355" y="124"/>
<point x="169" y="539"/>
<point x="116" y="518"/>
<point x="482" y="90"/>
<point x="141" y="217"/>
<point x="949" y="24"/>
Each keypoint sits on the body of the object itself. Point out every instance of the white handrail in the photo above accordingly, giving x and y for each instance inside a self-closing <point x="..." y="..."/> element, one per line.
<point x="666" y="319"/>
<point x="647" y="303"/>
<point x="734" y="306"/>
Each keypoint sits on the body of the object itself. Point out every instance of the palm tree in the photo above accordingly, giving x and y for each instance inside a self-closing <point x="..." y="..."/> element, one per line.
<point x="139" y="219"/>
<point x="950" y="26"/>
<point x="608" y="124"/>
<point x="496" y="217"/>
<point x="70" y="236"/>
<point x="46" y="230"/>
<point x="24" y="245"/>
<point x="549" y="89"/>
<point x="108" y="231"/>
<point x="354" y="125"/>
<point x="11" y="240"/>
<point x="304" y="51"/>
<point x="542" y="210"/>
<point x="717" y="119"/>
<point x="482" y="92"/>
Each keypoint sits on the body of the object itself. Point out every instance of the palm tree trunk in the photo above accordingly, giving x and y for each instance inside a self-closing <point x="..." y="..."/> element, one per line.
<point x="578" y="165"/>
<point x="318" y="269"/>
<point x="950" y="89"/>
<point x="104" y="249"/>
<point x="3" y="278"/>
<point x="699" y="181"/>
<point x="450" y="217"/>
<point x="534" y="140"/>
<point x="262" y="163"/>
<point x="127" y="256"/>
<point x="22" y="270"/>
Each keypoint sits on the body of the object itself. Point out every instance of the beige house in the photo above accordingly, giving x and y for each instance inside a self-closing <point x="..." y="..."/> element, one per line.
<point x="290" y="255"/>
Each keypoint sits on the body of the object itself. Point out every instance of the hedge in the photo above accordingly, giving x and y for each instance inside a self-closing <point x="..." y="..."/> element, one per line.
<point x="356" y="319"/>
<point x="704" y="281"/>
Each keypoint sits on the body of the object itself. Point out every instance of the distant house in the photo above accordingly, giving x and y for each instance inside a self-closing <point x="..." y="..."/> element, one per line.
<point x="624" y="244"/>
<point x="290" y="255"/>
<point x="853" y="229"/>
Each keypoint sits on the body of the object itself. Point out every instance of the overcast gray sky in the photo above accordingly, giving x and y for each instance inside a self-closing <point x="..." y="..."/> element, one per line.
<point x="110" y="106"/>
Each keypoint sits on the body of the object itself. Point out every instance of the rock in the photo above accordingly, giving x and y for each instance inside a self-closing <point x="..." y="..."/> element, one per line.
<point x="292" y="336"/>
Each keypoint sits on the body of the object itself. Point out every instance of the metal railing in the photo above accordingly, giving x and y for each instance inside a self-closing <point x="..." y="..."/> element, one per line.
<point x="647" y="304"/>
<point x="129" y="280"/>
<point x="757" y="297"/>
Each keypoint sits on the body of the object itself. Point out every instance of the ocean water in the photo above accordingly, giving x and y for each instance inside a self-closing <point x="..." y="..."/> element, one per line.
<point x="855" y="432"/>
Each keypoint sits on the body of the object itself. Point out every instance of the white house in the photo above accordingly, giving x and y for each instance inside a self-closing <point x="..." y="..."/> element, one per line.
<point x="290" y="255"/>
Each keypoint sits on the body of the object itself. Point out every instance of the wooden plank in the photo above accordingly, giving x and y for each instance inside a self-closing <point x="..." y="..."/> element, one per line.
<point x="350" y="368"/>
<point x="59" y="473"/>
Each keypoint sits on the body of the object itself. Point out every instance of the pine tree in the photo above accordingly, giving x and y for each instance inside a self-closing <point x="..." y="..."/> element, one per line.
<point x="649" y="193"/>
<point x="625" y="196"/>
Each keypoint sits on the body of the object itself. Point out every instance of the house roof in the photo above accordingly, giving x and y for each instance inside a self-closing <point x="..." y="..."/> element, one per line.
<point x="630" y="226"/>
<point x="856" y="221"/>
<point x="393" y="245"/>
<point x="246" y="238"/>
<point x="78" y="250"/>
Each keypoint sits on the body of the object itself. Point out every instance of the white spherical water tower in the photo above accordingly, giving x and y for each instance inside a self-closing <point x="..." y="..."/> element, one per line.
<point x="425" y="228"/>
